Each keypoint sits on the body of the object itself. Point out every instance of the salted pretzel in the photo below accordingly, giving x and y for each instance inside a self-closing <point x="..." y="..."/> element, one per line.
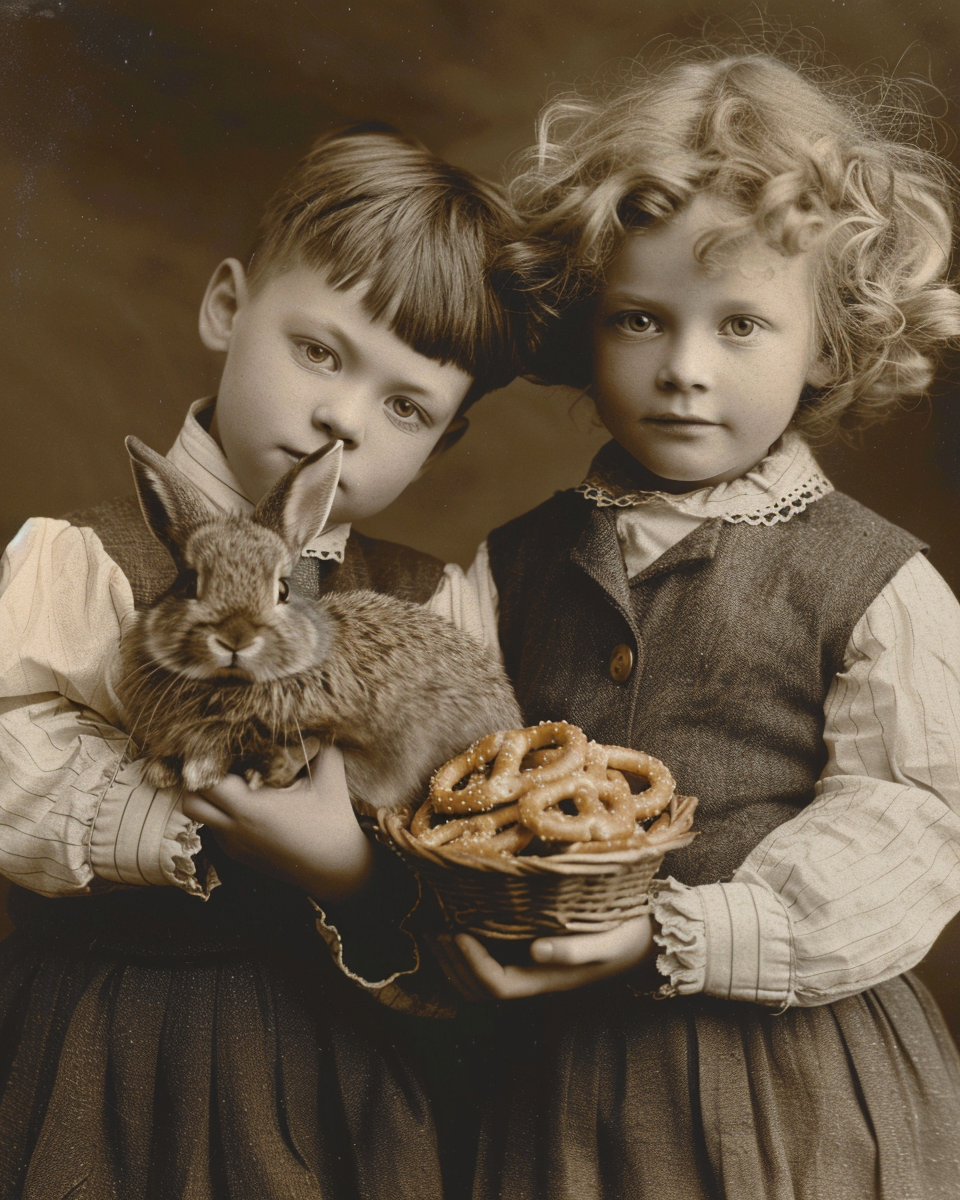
<point x="667" y="827"/>
<point x="604" y="804"/>
<point x="658" y="795"/>
<point x="492" y="767"/>
<point x="548" y="782"/>
<point x="495" y="832"/>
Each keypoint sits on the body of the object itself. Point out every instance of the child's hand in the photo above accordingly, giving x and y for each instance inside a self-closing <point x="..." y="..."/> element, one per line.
<point x="562" y="963"/>
<point x="305" y="834"/>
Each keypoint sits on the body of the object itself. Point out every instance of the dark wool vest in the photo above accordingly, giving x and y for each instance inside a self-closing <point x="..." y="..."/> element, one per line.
<point x="253" y="910"/>
<point x="368" y="562"/>
<point x="736" y="634"/>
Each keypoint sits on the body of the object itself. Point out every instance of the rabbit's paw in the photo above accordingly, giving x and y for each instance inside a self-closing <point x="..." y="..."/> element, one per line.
<point x="200" y="773"/>
<point x="286" y="763"/>
<point x="161" y="772"/>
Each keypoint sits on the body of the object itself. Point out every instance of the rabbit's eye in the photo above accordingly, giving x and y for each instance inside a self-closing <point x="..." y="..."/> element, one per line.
<point x="283" y="591"/>
<point x="188" y="585"/>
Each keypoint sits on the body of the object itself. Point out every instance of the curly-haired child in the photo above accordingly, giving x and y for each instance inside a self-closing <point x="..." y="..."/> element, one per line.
<point x="739" y="253"/>
<point x="159" y="1036"/>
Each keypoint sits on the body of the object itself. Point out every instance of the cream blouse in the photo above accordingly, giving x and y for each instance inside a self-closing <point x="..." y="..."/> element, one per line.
<point x="852" y="891"/>
<point x="856" y="888"/>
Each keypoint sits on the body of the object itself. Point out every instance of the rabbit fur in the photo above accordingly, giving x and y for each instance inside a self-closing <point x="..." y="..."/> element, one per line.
<point x="231" y="670"/>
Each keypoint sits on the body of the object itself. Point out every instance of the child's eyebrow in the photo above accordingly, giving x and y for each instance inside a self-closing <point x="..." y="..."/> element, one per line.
<point x="325" y="329"/>
<point x="732" y="303"/>
<point x="629" y="300"/>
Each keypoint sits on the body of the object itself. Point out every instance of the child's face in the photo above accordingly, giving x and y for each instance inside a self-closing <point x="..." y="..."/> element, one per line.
<point x="306" y="364"/>
<point x="698" y="368"/>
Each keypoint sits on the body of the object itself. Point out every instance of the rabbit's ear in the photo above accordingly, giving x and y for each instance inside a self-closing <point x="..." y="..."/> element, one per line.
<point x="298" y="505"/>
<point x="172" y="506"/>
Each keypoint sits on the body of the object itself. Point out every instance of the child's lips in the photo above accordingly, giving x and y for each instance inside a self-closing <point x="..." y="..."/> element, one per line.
<point x="671" y="419"/>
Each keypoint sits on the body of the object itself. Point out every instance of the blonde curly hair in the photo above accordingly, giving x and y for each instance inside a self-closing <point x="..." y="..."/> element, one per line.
<point x="805" y="157"/>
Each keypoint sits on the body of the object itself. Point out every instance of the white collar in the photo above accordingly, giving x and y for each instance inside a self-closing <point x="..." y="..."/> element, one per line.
<point x="200" y="458"/>
<point x="779" y="486"/>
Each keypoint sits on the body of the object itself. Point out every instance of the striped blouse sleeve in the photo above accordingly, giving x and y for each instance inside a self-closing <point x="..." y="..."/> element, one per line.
<point x="74" y="814"/>
<point x="856" y="888"/>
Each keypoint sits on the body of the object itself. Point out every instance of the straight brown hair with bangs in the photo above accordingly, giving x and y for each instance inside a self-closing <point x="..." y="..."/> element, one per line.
<point x="370" y="205"/>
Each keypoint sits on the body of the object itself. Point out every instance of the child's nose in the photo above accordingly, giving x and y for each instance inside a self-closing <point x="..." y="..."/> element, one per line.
<point x="685" y="366"/>
<point x="341" y="418"/>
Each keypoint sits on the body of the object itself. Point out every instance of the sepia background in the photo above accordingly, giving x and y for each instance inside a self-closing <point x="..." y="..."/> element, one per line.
<point x="138" y="139"/>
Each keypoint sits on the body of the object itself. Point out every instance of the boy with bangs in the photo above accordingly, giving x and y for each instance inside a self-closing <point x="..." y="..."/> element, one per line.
<point x="151" y="1044"/>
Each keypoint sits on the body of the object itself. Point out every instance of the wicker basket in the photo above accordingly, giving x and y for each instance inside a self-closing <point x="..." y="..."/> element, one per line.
<point x="531" y="896"/>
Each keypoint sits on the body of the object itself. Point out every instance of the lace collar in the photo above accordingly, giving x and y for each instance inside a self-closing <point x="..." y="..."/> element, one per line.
<point x="200" y="458"/>
<point x="779" y="486"/>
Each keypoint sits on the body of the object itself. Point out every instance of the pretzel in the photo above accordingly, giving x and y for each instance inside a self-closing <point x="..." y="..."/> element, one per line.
<point x="495" y="832"/>
<point x="504" y="754"/>
<point x="510" y="787"/>
<point x="654" y="800"/>
<point x="605" y="808"/>
<point x="508" y="841"/>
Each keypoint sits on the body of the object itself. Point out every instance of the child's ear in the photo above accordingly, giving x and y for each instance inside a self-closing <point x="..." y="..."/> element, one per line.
<point x="226" y="294"/>
<point x="450" y="436"/>
<point x="819" y="373"/>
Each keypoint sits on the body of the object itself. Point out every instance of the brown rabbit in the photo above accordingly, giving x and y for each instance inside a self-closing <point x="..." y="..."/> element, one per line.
<point x="232" y="670"/>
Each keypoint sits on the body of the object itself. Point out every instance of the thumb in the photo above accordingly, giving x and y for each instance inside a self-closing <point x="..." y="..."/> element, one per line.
<point x="631" y="939"/>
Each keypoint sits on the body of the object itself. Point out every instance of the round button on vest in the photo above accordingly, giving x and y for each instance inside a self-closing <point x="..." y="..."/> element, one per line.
<point x="621" y="662"/>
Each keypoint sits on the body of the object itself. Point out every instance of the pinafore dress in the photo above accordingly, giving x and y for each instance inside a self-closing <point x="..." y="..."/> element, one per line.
<point x="154" y="1046"/>
<point x="734" y="636"/>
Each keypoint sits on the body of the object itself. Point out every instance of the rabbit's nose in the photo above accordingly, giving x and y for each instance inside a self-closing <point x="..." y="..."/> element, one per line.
<point x="233" y="641"/>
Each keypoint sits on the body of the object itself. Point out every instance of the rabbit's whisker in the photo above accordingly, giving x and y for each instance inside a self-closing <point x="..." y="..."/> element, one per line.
<point x="148" y="672"/>
<point x="175" y="681"/>
<point x="306" y="761"/>
<point x="126" y="746"/>
<point x="143" y="686"/>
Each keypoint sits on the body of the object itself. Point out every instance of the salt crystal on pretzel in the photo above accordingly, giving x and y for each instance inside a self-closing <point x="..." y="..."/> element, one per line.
<point x="514" y="785"/>
<point x="506" y="781"/>
<point x="494" y="832"/>
<point x="604" y="808"/>
<point x="658" y="795"/>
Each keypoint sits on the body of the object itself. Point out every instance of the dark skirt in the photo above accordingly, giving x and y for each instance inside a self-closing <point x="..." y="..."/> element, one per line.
<point x="209" y="1061"/>
<point x="613" y="1096"/>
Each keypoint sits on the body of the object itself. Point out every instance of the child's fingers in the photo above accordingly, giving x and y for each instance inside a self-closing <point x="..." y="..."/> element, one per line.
<point x="230" y="792"/>
<point x="488" y="972"/>
<point x="517" y="983"/>
<point x="629" y="943"/>
<point x="456" y="970"/>
<point x="199" y="808"/>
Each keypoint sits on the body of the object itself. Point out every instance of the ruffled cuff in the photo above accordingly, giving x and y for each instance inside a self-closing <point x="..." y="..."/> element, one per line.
<point x="141" y="836"/>
<point x="386" y="989"/>
<point x="375" y="939"/>
<point x="405" y="988"/>
<point x="731" y="940"/>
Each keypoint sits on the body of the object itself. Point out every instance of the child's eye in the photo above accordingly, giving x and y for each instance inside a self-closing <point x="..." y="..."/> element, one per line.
<point x="741" y="327"/>
<point x="317" y="355"/>
<point x="401" y="407"/>
<point x="636" y="322"/>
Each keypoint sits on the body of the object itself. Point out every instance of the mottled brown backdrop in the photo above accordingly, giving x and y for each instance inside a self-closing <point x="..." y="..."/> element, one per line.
<point x="139" y="138"/>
